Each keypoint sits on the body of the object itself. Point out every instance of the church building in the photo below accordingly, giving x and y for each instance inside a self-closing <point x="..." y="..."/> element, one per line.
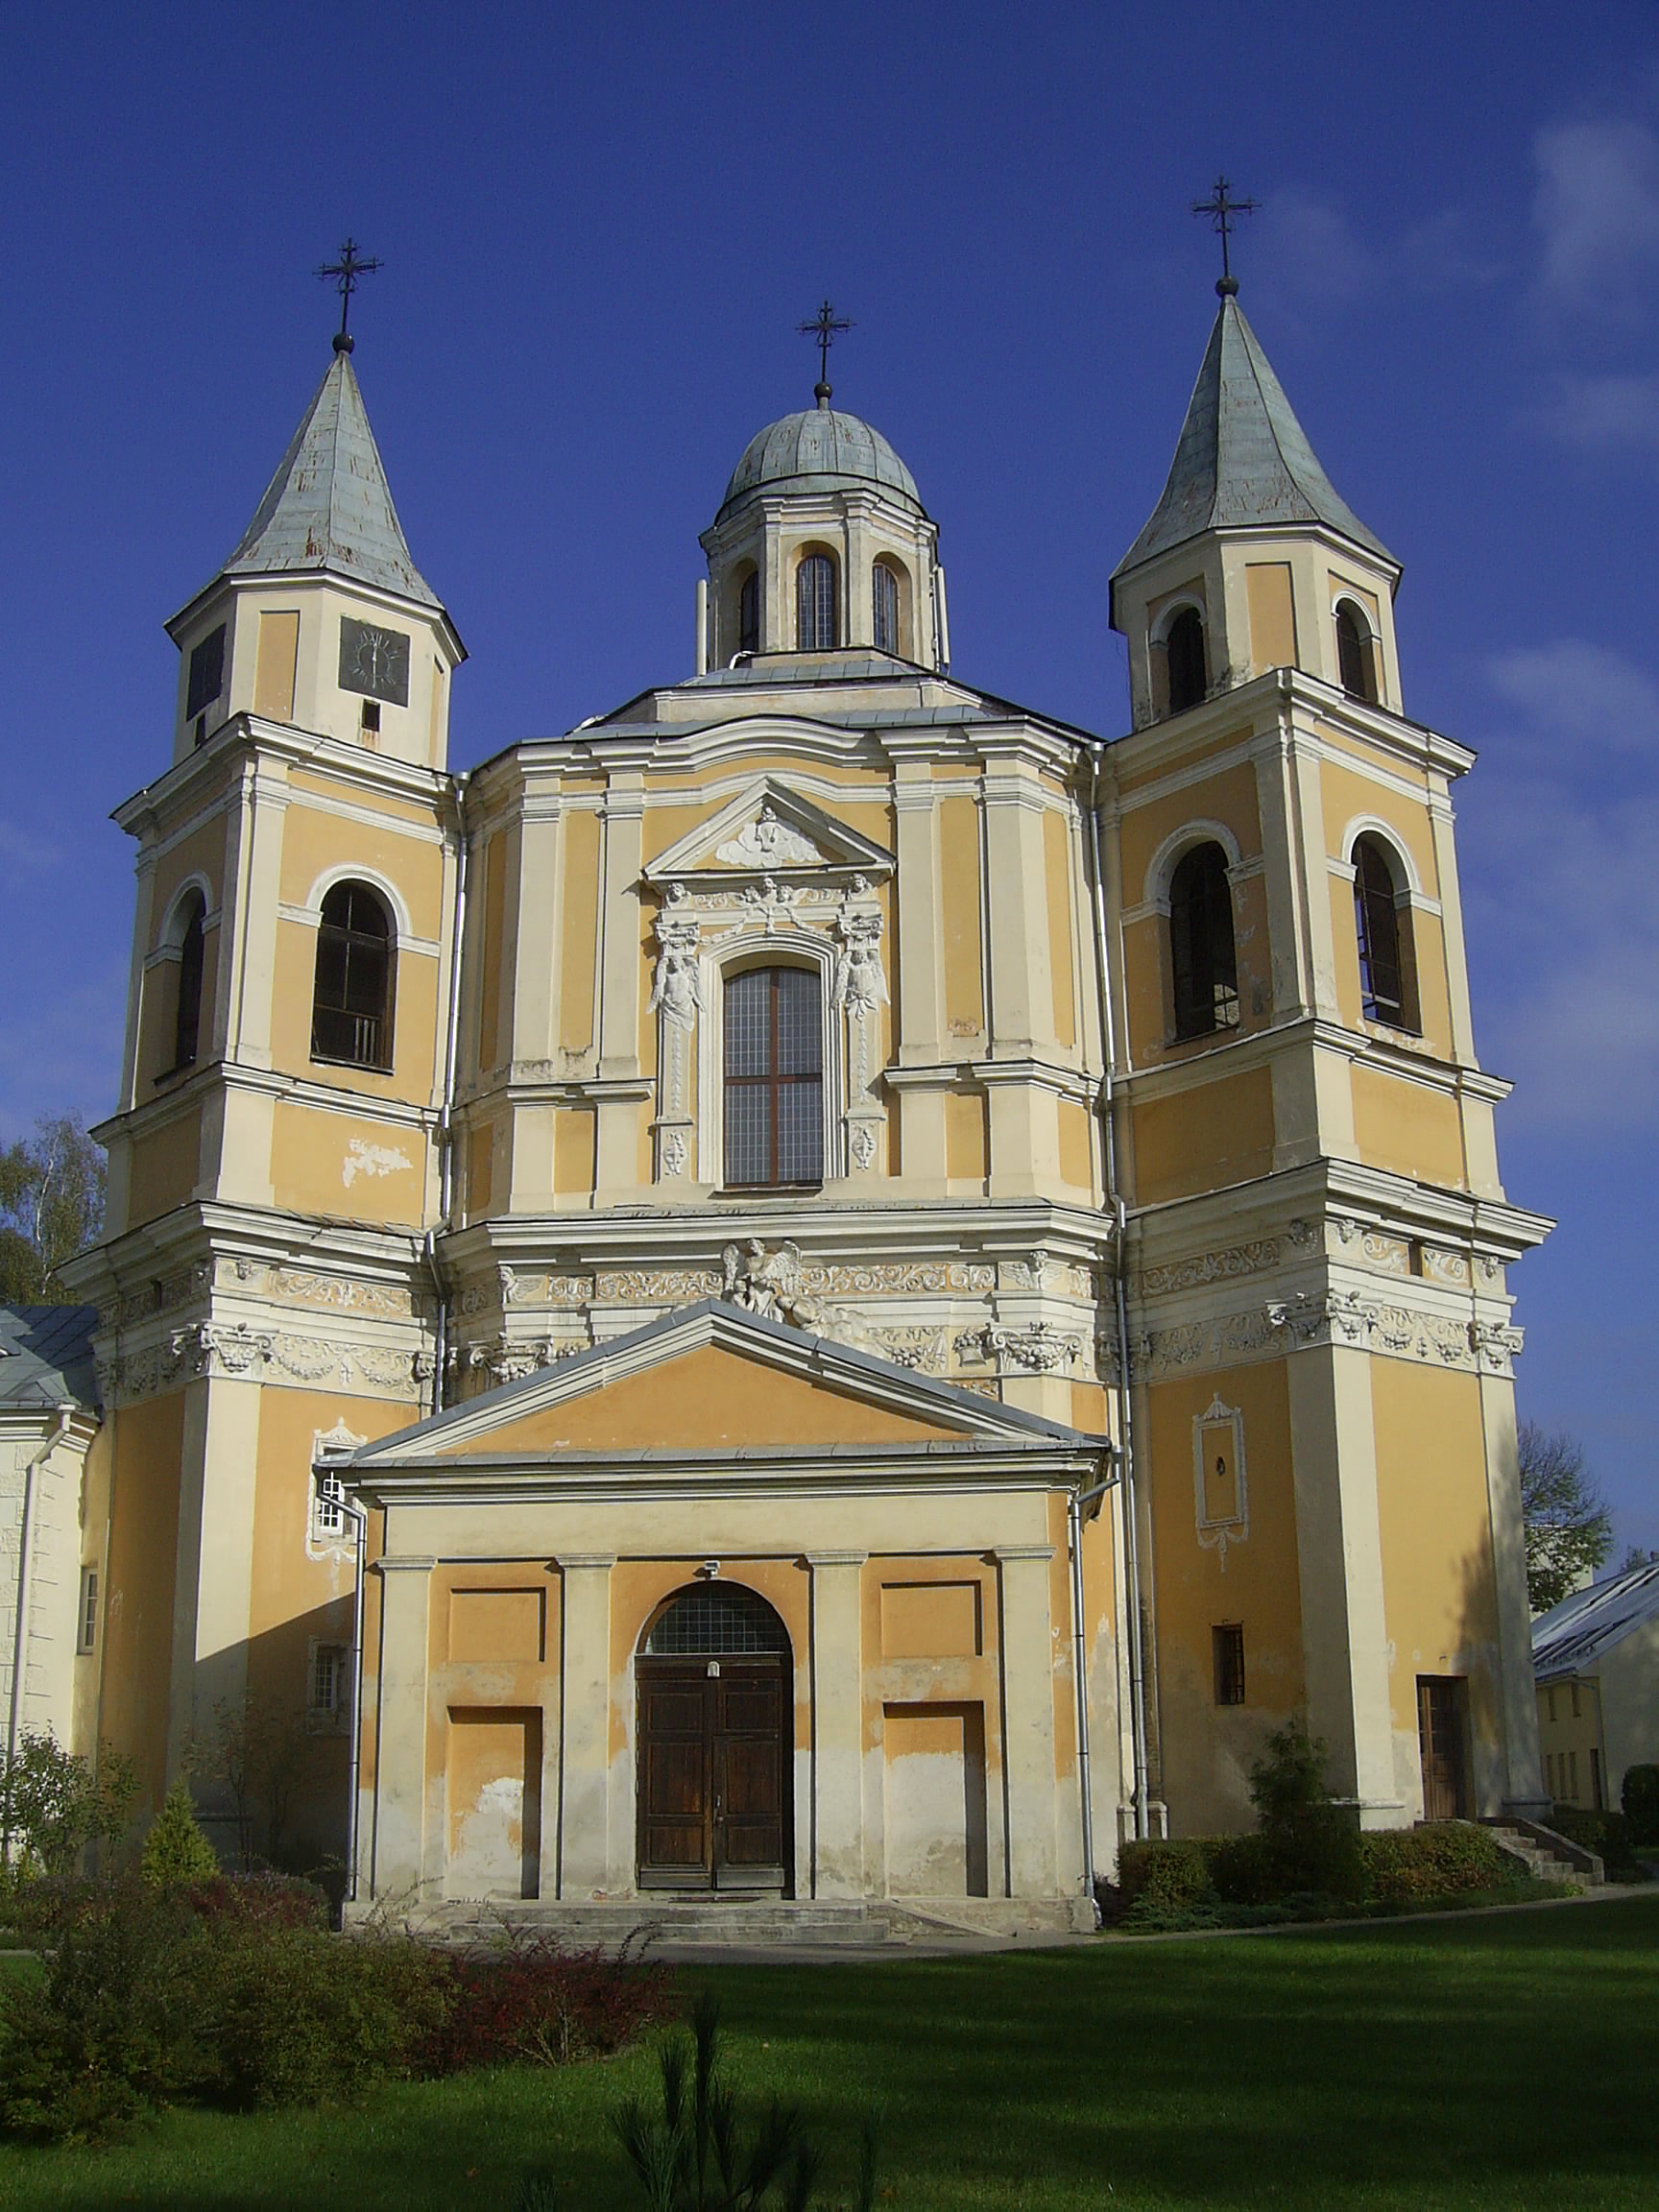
<point x="828" y="1287"/>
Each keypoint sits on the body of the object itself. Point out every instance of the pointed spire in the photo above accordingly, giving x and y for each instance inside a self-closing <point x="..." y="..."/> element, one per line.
<point x="1243" y="460"/>
<point x="328" y="506"/>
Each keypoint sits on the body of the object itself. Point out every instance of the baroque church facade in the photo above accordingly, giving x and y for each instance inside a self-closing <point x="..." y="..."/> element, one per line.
<point x="827" y="1286"/>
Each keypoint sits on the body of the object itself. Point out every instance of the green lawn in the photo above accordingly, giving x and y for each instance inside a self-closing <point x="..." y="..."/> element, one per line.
<point x="1488" y="2062"/>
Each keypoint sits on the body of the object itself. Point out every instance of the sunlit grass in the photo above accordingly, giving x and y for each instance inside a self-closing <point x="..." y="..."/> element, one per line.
<point x="1486" y="2062"/>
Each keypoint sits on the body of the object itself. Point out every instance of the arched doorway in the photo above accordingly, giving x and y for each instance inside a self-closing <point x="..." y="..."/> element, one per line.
<point x="712" y="1744"/>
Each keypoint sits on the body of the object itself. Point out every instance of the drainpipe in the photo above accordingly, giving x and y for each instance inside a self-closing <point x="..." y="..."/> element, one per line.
<point x="360" y="1522"/>
<point x="1074" y="1506"/>
<point x="1121" y="1304"/>
<point x="25" y="1560"/>
<point x="446" y="1117"/>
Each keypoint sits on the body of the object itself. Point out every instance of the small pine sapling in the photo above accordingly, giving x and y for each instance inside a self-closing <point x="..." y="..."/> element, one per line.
<point x="176" y="1852"/>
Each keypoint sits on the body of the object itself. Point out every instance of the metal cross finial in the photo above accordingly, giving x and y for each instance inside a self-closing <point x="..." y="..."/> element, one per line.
<point x="823" y="326"/>
<point x="1221" y="207"/>
<point x="344" y="275"/>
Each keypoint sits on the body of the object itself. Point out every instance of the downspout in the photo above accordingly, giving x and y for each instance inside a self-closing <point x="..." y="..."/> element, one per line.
<point x="25" y="1560"/>
<point x="1074" y="1505"/>
<point x="1121" y="1302"/>
<point x="354" y="1754"/>
<point x="446" y="1117"/>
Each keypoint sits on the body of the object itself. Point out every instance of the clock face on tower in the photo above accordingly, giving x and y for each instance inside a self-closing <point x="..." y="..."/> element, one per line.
<point x="375" y="662"/>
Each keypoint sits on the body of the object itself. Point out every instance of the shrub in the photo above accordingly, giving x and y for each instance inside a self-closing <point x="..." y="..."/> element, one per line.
<point x="176" y="1851"/>
<point x="1640" y="1798"/>
<point x="1315" y="1843"/>
<point x="1164" y="1876"/>
<point x="1415" y="1865"/>
<point x="1606" y="1834"/>
<point x="530" y="2000"/>
<point x="1246" y="1869"/>
<point x="53" y="1804"/>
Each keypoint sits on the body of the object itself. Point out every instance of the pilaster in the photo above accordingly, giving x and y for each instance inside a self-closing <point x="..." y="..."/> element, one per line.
<point x="585" y="1726"/>
<point x="837" y="1724"/>
<point x="1028" y="1719"/>
<point x="400" y="1751"/>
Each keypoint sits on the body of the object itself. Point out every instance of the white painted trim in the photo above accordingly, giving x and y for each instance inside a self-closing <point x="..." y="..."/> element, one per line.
<point x="1373" y="826"/>
<point x="353" y="872"/>
<point x="1161" y="868"/>
<point x="170" y="941"/>
<point x="1159" y="634"/>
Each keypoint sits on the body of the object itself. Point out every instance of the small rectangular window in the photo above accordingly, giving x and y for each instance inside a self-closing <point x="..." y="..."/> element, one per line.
<point x="371" y="713"/>
<point x="1595" y="1797"/>
<point x="1228" y="1646"/>
<point x="88" y="1637"/>
<point x="1577" y="1713"/>
<point x="1549" y="1702"/>
<point x="328" y="1510"/>
<point x="1572" y="1776"/>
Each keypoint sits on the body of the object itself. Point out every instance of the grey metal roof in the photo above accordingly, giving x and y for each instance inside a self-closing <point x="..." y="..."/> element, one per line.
<point x="46" y="1356"/>
<point x="819" y="451"/>
<point x="1243" y="460"/>
<point x="1574" y="1634"/>
<point x="328" y="506"/>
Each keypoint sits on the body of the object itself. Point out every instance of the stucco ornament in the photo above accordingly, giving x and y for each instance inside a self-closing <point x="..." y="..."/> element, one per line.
<point x="770" y="1284"/>
<point x="860" y="980"/>
<point x="769" y="842"/>
<point x="676" y="990"/>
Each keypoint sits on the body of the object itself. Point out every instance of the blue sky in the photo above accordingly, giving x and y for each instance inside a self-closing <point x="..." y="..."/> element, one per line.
<point x="599" y="229"/>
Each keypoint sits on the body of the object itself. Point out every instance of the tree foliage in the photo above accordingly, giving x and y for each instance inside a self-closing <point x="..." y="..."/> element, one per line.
<point x="52" y="1803"/>
<point x="1569" y="1529"/>
<point x="51" y="1207"/>
<point x="175" y="1850"/>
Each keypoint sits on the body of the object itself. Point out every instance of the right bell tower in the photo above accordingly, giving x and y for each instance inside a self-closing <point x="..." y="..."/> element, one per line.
<point x="1316" y="1235"/>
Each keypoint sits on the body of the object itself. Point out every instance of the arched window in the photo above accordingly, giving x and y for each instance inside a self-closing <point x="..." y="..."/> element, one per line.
<point x="1385" y="980"/>
<point x="715" y="1618"/>
<point x="884" y="609"/>
<point x="774" y="1088"/>
<point x="1355" y="659"/>
<point x="749" y="614"/>
<point x="1183" y="645"/>
<point x="815" y="624"/>
<point x="1201" y="950"/>
<point x="187" y="1023"/>
<point x="356" y="962"/>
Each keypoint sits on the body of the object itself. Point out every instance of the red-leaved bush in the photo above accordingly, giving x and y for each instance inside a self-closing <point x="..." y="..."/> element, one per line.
<point x="526" y="1999"/>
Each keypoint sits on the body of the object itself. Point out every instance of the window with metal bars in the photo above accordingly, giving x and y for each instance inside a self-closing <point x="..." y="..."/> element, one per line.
<point x="1386" y="980"/>
<point x="187" y="1023"/>
<point x="716" y="1619"/>
<point x="749" y="614"/>
<point x="1201" y="946"/>
<point x="88" y="1636"/>
<point x="1355" y="656"/>
<point x="356" y="965"/>
<point x="329" y="1688"/>
<point x="884" y="608"/>
<point x="774" y="1078"/>
<point x="815" y="624"/>
<point x="1184" y="647"/>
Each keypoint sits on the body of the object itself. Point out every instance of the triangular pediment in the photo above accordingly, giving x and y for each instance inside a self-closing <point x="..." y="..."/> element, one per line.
<point x="769" y="830"/>
<point x="713" y="1378"/>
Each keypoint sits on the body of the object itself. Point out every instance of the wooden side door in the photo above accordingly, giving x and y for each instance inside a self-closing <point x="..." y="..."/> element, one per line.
<point x="751" y="1720"/>
<point x="675" y="1766"/>
<point x="1440" y="1734"/>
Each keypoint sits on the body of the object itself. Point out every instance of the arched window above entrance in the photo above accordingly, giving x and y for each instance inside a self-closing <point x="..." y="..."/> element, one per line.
<point x="716" y="1620"/>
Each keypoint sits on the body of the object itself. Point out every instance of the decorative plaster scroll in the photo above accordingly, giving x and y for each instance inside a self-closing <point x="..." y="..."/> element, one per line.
<point x="333" y="1291"/>
<point x="1220" y="1499"/>
<point x="656" y="1286"/>
<point x="1445" y="1266"/>
<point x="851" y="1281"/>
<point x="861" y="991"/>
<point x="208" y="1348"/>
<point x="1211" y="1267"/>
<point x="921" y="1350"/>
<point x="1041" y="1348"/>
<point x="1495" y="1344"/>
<point x="769" y="842"/>
<point x="1323" y="1318"/>
<point x="174" y="1290"/>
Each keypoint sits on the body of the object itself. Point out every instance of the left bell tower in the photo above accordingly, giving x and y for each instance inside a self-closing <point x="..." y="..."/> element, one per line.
<point x="273" y="1169"/>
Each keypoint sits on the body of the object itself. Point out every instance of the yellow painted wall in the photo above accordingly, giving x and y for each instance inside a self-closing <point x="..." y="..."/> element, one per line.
<point x="960" y="899"/>
<point x="415" y="1023"/>
<point x="1408" y="1127"/>
<point x="580" y="930"/>
<point x="490" y="1050"/>
<point x="166" y="1166"/>
<point x="966" y="1136"/>
<point x="575" y="1141"/>
<point x="1057" y="864"/>
<point x="1076" y="1147"/>
<point x="1272" y="611"/>
<point x="1216" y="1133"/>
<point x="147" y="1443"/>
<point x="347" y="1165"/>
<point x="1228" y="795"/>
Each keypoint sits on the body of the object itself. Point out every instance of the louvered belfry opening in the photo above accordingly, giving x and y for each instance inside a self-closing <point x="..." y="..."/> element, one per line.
<point x="815" y="604"/>
<point x="884" y="609"/>
<point x="1188" y="677"/>
<point x="351" y="1010"/>
<point x="188" y="1024"/>
<point x="1201" y="946"/>
<point x="774" y="1078"/>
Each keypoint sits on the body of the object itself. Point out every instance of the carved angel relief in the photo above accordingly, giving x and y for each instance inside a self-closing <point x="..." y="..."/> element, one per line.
<point x="769" y="843"/>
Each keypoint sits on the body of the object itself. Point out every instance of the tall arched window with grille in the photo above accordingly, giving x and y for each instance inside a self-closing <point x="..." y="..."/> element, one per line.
<point x="356" y="970"/>
<point x="1184" y="647"/>
<point x="815" y="609"/>
<point x="187" y="1023"/>
<point x="1355" y="654"/>
<point x="1387" y="980"/>
<point x="1201" y="947"/>
<point x="774" y="1078"/>
<point x="884" y="608"/>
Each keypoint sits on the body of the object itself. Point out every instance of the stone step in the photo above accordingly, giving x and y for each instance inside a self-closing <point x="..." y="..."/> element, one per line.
<point x="1543" y="1862"/>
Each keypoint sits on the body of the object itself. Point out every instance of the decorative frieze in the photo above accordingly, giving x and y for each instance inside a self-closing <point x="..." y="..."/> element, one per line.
<point x="1041" y="1348"/>
<point x="1190" y="1274"/>
<point x="209" y="1351"/>
<point x="654" y="1285"/>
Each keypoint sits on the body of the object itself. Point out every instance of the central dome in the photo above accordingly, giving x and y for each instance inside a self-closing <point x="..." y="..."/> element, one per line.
<point x="819" y="451"/>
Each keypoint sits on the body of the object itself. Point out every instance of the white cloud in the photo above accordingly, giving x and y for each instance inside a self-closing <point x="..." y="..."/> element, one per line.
<point x="1313" y="252"/>
<point x="23" y="849"/>
<point x="1620" y="413"/>
<point x="1574" y="689"/>
<point x="1596" y="209"/>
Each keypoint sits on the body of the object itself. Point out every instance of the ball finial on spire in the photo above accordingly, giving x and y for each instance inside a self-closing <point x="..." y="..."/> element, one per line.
<point x="344" y="273"/>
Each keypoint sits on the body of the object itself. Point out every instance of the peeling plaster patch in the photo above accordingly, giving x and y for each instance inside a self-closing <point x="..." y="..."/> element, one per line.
<point x="373" y="1160"/>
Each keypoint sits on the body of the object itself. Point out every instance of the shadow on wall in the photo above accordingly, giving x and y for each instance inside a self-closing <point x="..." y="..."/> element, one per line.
<point x="270" y="1769"/>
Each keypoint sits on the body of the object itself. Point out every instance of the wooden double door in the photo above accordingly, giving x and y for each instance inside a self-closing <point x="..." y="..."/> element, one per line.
<point x="713" y="1773"/>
